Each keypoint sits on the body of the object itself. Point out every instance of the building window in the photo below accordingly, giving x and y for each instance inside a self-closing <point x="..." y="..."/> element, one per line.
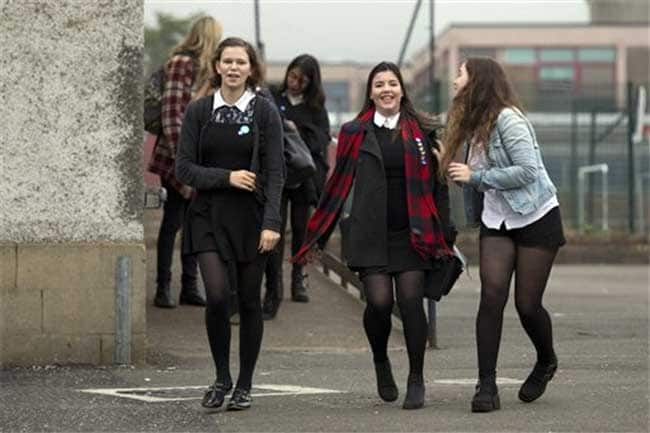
<point x="603" y="55"/>
<point x="556" y="73"/>
<point x="337" y="96"/>
<point x="519" y="56"/>
<point x="556" y="55"/>
<point x="466" y="52"/>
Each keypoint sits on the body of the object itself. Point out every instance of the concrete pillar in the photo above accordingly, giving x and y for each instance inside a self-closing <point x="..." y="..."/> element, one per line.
<point x="70" y="178"/>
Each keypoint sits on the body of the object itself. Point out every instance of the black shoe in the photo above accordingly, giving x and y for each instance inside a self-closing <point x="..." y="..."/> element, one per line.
<point x="414" y="395"/>
<point x="191" y="297"/>
<point x="298" y="289"/>
<point x="535" y="384"/>
<point x="163" y="298"/>
<point x="216" y="394"/>
<point x="240" y="400"/>
<point x="386" y="387"/>
<point x="270" y="306"/>
<point x="486" y="398"/>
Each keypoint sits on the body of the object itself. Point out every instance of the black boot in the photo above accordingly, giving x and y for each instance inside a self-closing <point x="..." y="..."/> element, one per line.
<point x="386" y="387"/>
<point x="191" y="296"/>
<point x="535" y="384"/>
<point x="414" y="394"/>
<point x="298" y="290"/>
<point x="163" y="298"/>
<point x="486" y="398"/>
<point x="270" y="305"/>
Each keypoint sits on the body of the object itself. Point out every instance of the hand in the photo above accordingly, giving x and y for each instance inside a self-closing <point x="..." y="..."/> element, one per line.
<point x="291" y="125"/>
<point x="187" y="192"/>
<point x="440" y="151"/>
<point x="242" y="179"/>
<point x="268" y="241"/>
<point x="459" y="172"/>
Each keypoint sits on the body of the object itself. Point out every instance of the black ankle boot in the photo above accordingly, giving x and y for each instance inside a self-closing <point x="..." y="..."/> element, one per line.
<point x="270" y="305"/>
<point x="414" y="394"/>
<point x="163" y="298"/>
<point x="298" y="290"/>
<point x="535" y="384"/>
<point x="191" y="296"/>
<point x="486" y="398"/>
<point x="386" y="387"/>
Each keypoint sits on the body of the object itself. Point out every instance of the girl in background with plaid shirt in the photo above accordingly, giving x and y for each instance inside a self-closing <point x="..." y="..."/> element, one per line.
<point x="187" y="77"/>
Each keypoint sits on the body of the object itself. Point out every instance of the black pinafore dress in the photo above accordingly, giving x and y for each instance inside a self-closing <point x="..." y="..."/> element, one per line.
<point x="226" y="220"/>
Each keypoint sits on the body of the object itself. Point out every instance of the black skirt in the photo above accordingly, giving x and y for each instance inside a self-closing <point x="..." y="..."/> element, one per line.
<point x="401" y="257"/>
<point x="545" y="232"/>
<point x="227" y="221"/>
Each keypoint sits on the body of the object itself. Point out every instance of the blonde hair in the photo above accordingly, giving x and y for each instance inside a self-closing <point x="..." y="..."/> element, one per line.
<point x="202" y="41"/>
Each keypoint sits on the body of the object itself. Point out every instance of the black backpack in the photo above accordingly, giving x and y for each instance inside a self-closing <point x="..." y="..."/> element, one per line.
<point x="153" y="90"/>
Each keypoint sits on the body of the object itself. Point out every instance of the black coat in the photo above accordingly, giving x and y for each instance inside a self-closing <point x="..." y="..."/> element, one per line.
<point x="364" y="231"/>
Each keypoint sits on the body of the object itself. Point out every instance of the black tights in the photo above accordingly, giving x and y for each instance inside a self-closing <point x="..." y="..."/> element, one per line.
<point x="217" y="318"/>
<point x="500" y="257"/>
<point x="377" y="316"/>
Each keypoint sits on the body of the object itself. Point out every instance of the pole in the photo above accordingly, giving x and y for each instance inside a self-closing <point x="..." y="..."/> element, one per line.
<point x="409" y="31"/>
<point x="591" y="161"/>
<point x="574" y="163"/>
<point x="258" y="38"/>
<point x="631" y="175"/>
<point x="431" y="307"/>
<point x="122" y="350"/>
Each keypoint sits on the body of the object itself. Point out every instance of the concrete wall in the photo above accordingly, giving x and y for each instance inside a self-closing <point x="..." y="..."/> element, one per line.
<point x="70" y="177"/>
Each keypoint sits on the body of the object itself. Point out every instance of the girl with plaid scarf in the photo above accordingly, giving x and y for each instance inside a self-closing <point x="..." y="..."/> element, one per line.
<point x="398" y="223"/>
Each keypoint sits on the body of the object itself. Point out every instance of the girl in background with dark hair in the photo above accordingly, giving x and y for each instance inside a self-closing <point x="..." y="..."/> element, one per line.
<point x="231" y="153"/>
<point x="520" y="223"/>
<point x="398" y="223"/>
<point x="301" y="101"/>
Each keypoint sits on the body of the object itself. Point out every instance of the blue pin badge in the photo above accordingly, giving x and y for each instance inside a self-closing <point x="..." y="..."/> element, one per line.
<point x="243" y="130"/>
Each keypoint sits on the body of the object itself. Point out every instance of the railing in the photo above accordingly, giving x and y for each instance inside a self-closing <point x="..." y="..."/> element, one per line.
<point x="582" y="173"/>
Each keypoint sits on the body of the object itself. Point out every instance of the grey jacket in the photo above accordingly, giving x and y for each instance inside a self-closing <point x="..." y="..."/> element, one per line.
<point x="268" y="162"/>
<point x="515" y="167"/>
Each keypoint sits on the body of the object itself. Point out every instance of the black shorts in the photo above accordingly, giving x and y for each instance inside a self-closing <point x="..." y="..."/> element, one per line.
<point x="545" y="232"/>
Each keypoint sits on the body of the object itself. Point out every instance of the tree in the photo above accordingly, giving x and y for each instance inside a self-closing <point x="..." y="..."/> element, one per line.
<point x="160" y="39"/>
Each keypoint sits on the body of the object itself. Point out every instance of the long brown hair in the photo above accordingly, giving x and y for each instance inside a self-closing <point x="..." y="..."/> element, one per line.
<point x="426" y="121"/>
<point x="201" y="41"/>
<point x="475" y="108"/>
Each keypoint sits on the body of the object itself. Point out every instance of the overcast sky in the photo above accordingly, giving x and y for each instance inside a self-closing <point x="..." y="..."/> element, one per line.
<point x="359" y="30"/>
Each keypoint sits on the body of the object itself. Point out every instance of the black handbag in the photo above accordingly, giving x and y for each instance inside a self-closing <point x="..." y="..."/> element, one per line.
<point x="440" y="280"/>
<point x="298" y="160"/>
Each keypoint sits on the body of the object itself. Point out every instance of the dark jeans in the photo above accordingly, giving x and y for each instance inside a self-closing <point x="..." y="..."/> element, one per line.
<point x="172" y="221"/>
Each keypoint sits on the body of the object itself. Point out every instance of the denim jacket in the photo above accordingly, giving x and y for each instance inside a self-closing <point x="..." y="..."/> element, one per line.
<point x="515" y="168"/>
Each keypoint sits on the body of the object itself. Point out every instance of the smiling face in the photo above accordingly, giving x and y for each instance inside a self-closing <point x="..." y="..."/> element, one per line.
<point x="386" y="93"/>
<point x="234" y="67"/>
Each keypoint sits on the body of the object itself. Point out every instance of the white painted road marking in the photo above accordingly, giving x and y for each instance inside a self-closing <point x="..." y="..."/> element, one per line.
<point x="500" y="381"/>
<point x="146" y="394"/>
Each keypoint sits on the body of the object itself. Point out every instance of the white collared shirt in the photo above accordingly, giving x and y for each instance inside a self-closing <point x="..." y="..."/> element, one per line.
<point x="295" y="100"/>
<point x="241" y="103"/>
<point x="496" y="210"/>
<point x="389" y="122"/>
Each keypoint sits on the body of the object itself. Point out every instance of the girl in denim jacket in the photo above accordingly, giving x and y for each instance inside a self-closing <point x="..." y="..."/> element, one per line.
<point x="520" y="223"/>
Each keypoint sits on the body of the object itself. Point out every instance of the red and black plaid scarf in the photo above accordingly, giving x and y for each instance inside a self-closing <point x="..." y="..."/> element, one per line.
<point x="426" y="229"/>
